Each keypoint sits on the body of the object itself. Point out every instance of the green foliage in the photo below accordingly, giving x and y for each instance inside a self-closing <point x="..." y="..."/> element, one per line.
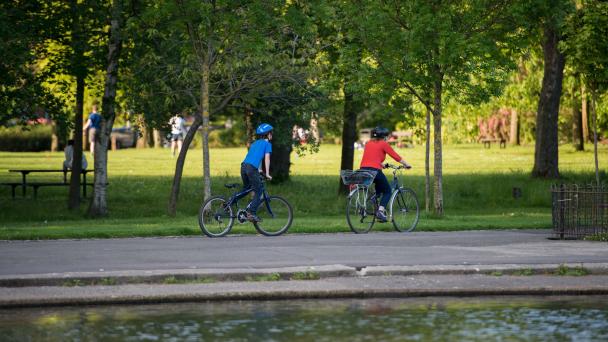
<point x="32" y="138"/>
<point x="264" y="277"/>
<point x="598" y="237"/>
<point x="564" y="270"/>
<point x="309" y="275"/>
<point x="526" y="272"/>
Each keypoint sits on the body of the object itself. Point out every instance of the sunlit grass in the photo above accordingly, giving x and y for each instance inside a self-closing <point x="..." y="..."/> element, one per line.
<point x="478" y="185"/>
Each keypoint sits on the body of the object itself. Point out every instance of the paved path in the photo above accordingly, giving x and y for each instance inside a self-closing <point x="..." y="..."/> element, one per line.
<point x="395" y="249"/>
<point x="36" y="273"/>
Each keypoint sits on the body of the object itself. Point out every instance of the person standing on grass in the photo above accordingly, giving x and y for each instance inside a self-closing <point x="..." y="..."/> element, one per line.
<point x="94" y="125"/>
<point x="251" y="168"/>
<point x="177" y="133"/>
<point x="373" y="156"/>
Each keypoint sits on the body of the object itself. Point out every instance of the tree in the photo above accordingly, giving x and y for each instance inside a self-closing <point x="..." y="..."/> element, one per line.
<point x="586" y="46"/>
<point x="546" y="148"/>
<point x="98" y="206"/>
<point x="458" y="49"/>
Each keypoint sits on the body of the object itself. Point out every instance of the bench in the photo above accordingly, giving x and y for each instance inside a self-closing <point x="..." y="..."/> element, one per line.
<point x="13" y="185"/>
<point x="487" y="142"/>
<point x="35" y="185"/>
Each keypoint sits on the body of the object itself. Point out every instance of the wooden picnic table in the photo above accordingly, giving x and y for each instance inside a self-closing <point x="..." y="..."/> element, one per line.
<point x="25" y="172"/>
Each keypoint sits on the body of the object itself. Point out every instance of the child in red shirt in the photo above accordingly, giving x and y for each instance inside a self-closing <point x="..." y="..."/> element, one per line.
<point x="373" y="156"/>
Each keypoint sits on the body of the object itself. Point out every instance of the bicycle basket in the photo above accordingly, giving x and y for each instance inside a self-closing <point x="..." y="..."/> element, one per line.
<point x="363" y="177"/>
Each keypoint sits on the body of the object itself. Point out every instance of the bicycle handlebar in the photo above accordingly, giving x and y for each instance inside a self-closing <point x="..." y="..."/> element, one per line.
<point x="395" y="167"/>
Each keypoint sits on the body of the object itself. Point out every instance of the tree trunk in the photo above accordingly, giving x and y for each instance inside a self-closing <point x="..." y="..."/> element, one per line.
<point x="74" y="197"/>
<point x="249" y="126"/>
<point x="546" y="150"/>
<point x="577" y="120"/>
<point x="179" y="164"/>
<point x="594" y="118"/>
<point x="99" y="206"/>
<point x="280" y="162"/>
<point x="349" y="133"/>
<point x="205" y="131"/>
<point x="54" y="137"/>
<point x="156" y="138"/>
<point x="514" y="133"/>
<point x="584" y="114"/>
<point x="427" y="164"/>
<point x="438" y="161"/>
<point x="142" y="139"/>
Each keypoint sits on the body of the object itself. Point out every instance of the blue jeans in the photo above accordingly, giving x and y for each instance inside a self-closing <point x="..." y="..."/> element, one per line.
<point x="382" y="186"/>
<point x="251" y="180"/>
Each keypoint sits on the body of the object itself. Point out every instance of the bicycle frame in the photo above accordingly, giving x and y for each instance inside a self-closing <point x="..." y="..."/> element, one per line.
<point x="236" y="196"/>
<point x="362" y="195"/>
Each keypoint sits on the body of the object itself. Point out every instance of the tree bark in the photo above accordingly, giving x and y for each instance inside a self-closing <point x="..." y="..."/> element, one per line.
<point x="156" y="138"/>
<point x="577" y="120"/>
<point x="349" y="134"/>
<point x="427" y="164"/>
<point x="99" y="206"/>
<point x="205" y="131"/>
<point x="280" y="162"/>
<point x="594" y="118"/>
<point x="438" y="160"/>
<point x="250" y="131"/>
<point x="514" y="133"/>
<point x="546" y="149"/>
<point x="585" y="115"/>
<point x="74" y="197"/>
<point x="179" y="165"/>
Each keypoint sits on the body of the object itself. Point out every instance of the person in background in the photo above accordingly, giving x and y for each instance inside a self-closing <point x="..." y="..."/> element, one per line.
<point x="69" y="157"/>
<point x="94" y="125"/>
<point x="177" y="133"/>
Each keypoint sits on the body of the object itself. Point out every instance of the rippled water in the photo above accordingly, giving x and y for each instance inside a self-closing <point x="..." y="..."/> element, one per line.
<point x="438" y="319"/>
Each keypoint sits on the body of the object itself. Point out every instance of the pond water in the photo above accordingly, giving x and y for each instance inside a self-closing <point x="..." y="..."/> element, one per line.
<point x="422" y="319"/>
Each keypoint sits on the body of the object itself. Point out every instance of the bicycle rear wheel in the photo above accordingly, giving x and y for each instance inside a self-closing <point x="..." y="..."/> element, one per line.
<point x="405" y="210"/>
<point x="360" y="211"/>
<point x="276" y="215"/>
<point x="214" y="218"/>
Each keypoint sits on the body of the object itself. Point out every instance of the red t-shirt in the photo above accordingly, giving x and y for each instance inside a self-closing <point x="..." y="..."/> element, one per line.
<point x="375" y="152"/>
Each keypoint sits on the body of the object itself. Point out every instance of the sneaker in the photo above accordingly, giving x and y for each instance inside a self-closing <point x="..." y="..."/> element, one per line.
<point x="253" y="218"/>
<point x="381" y="216"/>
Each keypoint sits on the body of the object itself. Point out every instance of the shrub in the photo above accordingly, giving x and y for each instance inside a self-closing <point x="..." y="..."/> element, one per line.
<point x="25" y="139"/>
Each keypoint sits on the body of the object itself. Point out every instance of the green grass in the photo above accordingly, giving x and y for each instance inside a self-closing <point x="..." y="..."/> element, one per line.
<point x="477" y="186"/>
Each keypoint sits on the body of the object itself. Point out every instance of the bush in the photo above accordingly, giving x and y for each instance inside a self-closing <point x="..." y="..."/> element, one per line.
<point x="26" y="139"/>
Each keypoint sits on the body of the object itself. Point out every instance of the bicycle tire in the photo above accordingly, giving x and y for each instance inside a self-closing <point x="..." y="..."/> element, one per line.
<point x="360" y="218"/>
<point x="276" y="221"/>
<point x="405" y="210"/>
<point x="214" y="219"/>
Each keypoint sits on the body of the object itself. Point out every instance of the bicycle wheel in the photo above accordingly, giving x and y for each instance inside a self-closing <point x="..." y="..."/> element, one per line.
<point x="404" y="209"/>
<point x="360" y="211"/>
<point x="276" y="215"/>
<point x="214" y="218"/>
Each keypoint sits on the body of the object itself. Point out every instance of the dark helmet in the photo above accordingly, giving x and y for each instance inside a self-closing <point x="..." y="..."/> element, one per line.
<point x="263" y="129"/>
<point x="380" y="132"/>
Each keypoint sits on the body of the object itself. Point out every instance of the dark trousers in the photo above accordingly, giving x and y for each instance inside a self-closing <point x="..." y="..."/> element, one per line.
<point x="251" y="180"/>
<point x="382" y="186"/>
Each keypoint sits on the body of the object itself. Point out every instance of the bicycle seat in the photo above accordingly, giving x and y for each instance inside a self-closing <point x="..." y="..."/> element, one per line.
<point x="232" y="185"/>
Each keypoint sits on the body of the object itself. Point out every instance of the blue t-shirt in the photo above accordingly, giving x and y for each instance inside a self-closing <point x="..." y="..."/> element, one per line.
<point x="95" y="120"/>
<point x="257" y="151"/>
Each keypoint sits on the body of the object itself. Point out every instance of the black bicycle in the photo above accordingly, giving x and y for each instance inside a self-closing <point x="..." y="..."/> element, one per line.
<point x="217" y="215"/>
<point x="362" y="202"/>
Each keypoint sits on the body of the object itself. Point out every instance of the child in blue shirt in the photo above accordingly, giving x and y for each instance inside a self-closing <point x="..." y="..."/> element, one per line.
<point x="252" y="166"/>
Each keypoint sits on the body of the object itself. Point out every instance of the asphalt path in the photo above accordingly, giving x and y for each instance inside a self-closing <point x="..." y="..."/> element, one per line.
<point x="256" y="252"/>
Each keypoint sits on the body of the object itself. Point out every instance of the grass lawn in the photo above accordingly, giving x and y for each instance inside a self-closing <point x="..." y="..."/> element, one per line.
<point x="478" y="187"/>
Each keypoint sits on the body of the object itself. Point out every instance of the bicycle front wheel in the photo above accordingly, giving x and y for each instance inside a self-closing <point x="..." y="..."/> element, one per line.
<point x="215" y="218"/>
<point x="276" y="215"/>
<point x="404" y="209"/>
<point x="360" y="211"/>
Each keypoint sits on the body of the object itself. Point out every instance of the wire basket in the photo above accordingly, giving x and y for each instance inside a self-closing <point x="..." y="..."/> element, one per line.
<point x="359" y="177"/>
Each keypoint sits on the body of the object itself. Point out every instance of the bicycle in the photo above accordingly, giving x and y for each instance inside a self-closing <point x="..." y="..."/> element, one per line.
<point x="217" y="215"/>
<point x="403" y="208"/>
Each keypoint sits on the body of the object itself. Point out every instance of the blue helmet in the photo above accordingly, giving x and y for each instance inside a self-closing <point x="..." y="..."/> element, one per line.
<point x="263" y="129"/>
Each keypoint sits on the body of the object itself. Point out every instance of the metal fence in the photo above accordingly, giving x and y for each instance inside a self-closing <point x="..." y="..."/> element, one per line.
<point x="579" y="210"/>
